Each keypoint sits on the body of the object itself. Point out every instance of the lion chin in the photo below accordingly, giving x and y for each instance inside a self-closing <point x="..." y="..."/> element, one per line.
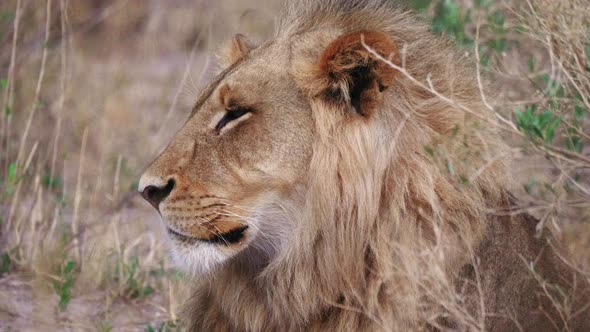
<point x="321" y="184"/>
<point x="198" y="260"/>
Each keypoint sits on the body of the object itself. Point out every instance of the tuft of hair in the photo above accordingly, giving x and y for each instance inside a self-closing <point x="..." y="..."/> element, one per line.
<point x="308" y="15"/>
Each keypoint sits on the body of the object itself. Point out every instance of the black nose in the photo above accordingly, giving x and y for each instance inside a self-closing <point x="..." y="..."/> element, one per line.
<point x="155" y="195"/>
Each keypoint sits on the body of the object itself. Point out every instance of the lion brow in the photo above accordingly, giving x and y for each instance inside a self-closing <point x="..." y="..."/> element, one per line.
<point x="213" y="85"/>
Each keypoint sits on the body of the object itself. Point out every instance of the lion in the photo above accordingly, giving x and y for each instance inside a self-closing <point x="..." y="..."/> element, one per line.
<point x="347" y="175"/>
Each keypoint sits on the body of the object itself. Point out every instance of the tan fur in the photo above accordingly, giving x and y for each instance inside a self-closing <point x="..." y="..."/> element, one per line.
<point x="374" y="216"/>
<point x="239" y="47"/>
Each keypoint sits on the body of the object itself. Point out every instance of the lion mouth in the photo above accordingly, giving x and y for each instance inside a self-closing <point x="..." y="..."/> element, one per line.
<point x="230" y="237"/>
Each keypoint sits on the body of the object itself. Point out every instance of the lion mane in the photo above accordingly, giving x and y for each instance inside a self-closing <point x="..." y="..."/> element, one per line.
<point x="396" y="228"/>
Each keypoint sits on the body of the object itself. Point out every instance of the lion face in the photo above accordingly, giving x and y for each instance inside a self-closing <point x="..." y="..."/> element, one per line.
<point x="246" y="149"/>
<point x="247" y="144"/>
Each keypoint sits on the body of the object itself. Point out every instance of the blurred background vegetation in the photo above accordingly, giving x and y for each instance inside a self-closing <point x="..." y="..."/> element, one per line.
<point x="91" y="90"/>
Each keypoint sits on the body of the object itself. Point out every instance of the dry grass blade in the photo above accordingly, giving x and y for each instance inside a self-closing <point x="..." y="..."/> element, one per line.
<point x="78" y="198"/>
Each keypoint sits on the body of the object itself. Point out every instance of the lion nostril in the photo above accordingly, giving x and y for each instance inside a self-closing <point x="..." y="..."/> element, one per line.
<point x="155" y="195"/>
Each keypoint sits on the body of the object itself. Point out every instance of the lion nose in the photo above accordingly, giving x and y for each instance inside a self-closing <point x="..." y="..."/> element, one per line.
<point x="155" y="193"/>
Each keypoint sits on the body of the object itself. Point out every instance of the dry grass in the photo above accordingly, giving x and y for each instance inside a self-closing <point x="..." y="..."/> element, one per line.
<point x="92" y="90"/>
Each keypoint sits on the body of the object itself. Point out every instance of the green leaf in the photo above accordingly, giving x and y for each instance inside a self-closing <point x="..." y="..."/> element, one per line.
<point x="5" y="263"/>
<point x="519" y="115"/>
<point x="51" y="182"/>
<point x="549" y="187"/>
<point x="549" y="134"/>
<point x="497" y="20"/>
<point x="497" y="44"/>
<point x="7" y="16"/>
<point x="69" y="267"/>
<point x="579" y="110"/>
<point x="449" y="19"/>
<point x="520" y="29"/>
<point x="485" y="60"/>
<point x="429" y="150"/>
<point x="420" y="5"/>
<point x="550" y="131"/>
<point x="532" y="64"/>
<point x="3" y="83"/>
<point x="64" y="287"/>
<point x="528" y="187"/>
<point x="463" y="179"/>
<point x="537" y="132"/>
<point x="12" y="172"/>
<point x="147" y="291"/>
<point x="574" y="143"/>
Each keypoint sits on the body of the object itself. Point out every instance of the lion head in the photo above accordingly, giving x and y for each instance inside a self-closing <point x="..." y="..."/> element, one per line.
<point x="246" y="145"/>
<point x="319" y="163"/>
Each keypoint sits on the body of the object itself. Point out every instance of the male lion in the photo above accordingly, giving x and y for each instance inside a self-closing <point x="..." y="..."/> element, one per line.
<point x="319" y="184"/>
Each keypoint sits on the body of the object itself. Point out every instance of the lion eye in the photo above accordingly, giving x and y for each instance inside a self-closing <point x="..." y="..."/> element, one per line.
<point x="230" y="116"/>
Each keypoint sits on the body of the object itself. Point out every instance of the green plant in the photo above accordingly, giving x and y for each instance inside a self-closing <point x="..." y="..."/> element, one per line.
<point x="6" y="264"/>
<point x="538" y="125"/>
<point x="162" y="327"/>
<point x="451" y="19"/>
<point x="11" y="179"/>
<point x="64" y="286"/>
<point x="51" y="182"/>
<point x="9" y="260"/>
<point x="544" y="124"/>
<point x="455" y="20"/>
<point x="134" y="286"/>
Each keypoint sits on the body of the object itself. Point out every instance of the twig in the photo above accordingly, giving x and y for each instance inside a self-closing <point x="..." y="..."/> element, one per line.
<point x="430" y="87"/>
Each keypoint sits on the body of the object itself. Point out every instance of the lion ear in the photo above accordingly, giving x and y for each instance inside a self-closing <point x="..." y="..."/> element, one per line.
<point x="351" y="75"/>
<point x="237" y="48"/>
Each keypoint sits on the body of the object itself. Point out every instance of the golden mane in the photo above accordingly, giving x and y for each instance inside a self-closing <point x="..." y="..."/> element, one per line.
<point x="395" y="211"/>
